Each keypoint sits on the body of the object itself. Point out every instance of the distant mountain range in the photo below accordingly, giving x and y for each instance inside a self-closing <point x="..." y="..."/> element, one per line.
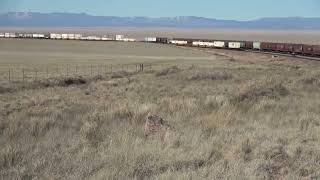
<point x="34" y="19"/>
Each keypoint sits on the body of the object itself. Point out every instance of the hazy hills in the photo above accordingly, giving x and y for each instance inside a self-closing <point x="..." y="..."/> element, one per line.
<point x="34" y="19"/>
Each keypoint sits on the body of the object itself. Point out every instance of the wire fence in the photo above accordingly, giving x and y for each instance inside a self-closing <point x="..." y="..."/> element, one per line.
<point x="31" y="74"/>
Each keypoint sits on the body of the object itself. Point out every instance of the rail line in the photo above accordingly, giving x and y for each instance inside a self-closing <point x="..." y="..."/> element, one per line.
<point x="296" y="56"/>
<point x="285" y="55"/>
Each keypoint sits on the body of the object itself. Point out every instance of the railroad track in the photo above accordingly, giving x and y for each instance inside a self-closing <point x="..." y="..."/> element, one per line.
<point x="258" y="52"/>
<point x="286" y="55"/>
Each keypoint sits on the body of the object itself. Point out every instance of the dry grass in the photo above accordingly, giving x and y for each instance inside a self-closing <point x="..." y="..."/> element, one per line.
<point x="230" y="120"/>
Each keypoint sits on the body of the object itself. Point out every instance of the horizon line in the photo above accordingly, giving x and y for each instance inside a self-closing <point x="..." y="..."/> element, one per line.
<point x="156" y="17"/>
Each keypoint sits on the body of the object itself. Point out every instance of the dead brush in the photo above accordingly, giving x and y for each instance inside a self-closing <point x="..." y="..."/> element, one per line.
<point x="90" y="129"/>
<point x="278" y="163"/>
<point x="197" y="76"/>
<point x="9" y="157"/>
<point x="311" y="80"/>
<point x="220" y="118"/>
<point x="253" y="92"/>
<point x="168" y="71"/>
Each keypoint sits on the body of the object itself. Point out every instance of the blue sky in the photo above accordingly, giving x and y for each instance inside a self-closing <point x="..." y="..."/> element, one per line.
<point x="221" y="9"/>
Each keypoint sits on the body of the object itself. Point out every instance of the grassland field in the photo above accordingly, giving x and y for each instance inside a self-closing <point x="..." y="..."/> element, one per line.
<point x="232" y="114"/>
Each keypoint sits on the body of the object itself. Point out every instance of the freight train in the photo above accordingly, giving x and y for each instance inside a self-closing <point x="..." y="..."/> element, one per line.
<point x="288" y="48"/>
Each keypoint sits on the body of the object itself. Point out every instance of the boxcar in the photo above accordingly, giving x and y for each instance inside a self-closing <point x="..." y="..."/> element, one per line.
<point x="316" y="50"/>
<point x="236" y="45"/>
<point x="182" y="41"/>
<point x="71" y="36"/>
<point x="288" y="48"/>
<point x="248" y="45"/>
<point x="208" y="44"/>
<point x="256" y="45"/>
<point x="297" y="48"/>
<point x="64" y="36"/>
<point x="280" y="47"/>
<point x="197" y="43"/>
<point x="21" y="35"/>
<point x="219" y="44"/>
<point x="162" y="40"/>
<point x="150" y="39"/>
<point x="307" y="49"/>
<point x="77" y="36"/>
<point x="267" y="46"/>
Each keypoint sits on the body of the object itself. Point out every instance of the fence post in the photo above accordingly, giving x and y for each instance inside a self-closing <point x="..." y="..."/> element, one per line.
<point x="111" y="68"/>
<point x="47" y="72"/>
<point x="91" y="70"/>
<point x="76" y="69"/>
<point x="105" y="69"/>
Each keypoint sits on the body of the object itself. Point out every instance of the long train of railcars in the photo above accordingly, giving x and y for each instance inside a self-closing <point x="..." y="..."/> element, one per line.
<point x="284" y="48"/>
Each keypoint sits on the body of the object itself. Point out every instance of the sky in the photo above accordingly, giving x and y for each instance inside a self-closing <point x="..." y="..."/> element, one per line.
<point x="220" y="9"/>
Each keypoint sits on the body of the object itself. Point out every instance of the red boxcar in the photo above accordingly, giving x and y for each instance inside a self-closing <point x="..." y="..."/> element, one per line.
<point x="288" y="48"/>
<point x="316" y="50"/>
<point x="267" y="46"/>
<point x="297" y="48"/>
<point x="280" y="47"/>
<point x="307" y="49"/>
<point x="248" y="45"/>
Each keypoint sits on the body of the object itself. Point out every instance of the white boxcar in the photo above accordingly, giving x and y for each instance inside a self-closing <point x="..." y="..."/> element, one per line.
<point x="1" y="35"/>
<point x="64" y="36"/>
<point x="236" y="45"/>
<point x="12" y="35"/>
<point x="202" y="44"/>
<point x="91" y="38"/>
<point x="208" y="44"/>
<point x="20" y="35"/>
<point x="71" y="36"/>
<point x="41" y="36"/>
<point x="219" y="44"/>
<point x="119" y="37"/>
<point x="177" y="42"/>
<point x="129" y="40"/>
<point x="106" y="39"/>
<point x="53" y="36"/>
<point x="6" y="35"/>
<point x="196" y="43"/>
<point x="28" y="35"/>
<point x="150" y="39"/>
<point x="77" y="36"/>
<point x="257" y="45"/>
<point x="58" y="36"/>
